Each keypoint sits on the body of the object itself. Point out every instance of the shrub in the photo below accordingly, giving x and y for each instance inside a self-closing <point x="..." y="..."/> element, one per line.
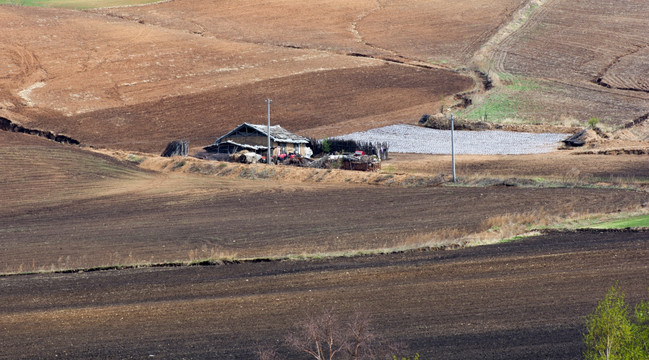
<point x="592" y="122"/>
<point x="416" y="357"/>
<point x="612" y="334"/>
<point x="326" y="146"/>
<point x="178" y="165"/>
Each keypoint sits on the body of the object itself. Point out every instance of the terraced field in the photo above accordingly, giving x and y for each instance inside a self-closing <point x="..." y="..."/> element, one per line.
<point x="592" y="66"/>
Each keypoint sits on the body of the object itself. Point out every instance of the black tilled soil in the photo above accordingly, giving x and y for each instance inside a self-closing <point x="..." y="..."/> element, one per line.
<point x="521" y="300"/>
<point x="152" y="227"/>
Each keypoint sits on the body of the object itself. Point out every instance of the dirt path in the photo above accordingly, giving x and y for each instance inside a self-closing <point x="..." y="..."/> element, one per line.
<point x="521" y="300"/>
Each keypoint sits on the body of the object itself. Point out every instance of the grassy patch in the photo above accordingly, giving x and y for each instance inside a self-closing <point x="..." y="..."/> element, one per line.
<point x="135" y="159"/>
<point x="513" y="238"/>
<point x="505" y="102"/>
<point x="496" y="107"/>
<point x="436" y="61"/>
<point x="632" y="222"/>
<point x="179" y="164"/>
<point x="76" y="4"/>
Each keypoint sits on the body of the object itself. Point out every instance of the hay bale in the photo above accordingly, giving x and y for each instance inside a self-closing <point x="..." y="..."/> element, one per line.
<point x="176" y="148"/>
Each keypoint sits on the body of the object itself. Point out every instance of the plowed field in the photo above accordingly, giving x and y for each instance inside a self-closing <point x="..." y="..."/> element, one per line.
<point x="136" y="78"/>
<point x="590" y="57"/>
<point x="521" y="300"/>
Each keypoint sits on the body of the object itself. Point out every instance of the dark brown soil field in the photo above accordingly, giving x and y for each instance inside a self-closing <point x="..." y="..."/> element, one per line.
<point x="350" y="94"/>
<point x="520" y="300"/>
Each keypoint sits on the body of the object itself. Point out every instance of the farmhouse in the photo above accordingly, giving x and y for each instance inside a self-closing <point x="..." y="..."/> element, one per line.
<point x="255" y="138"/>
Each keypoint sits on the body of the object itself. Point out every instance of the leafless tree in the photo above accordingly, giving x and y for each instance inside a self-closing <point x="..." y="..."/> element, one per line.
<point x="325" y="337"/>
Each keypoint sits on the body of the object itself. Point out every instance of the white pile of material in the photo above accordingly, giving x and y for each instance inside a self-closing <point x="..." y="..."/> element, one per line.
<point x="421" y="140"/>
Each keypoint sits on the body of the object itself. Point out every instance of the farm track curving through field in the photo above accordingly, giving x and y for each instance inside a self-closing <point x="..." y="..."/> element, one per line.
<point x="525" y="20"/>
<point x="587" y="67"/>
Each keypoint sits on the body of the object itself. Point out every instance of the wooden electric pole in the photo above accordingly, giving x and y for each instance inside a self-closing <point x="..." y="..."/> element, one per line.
<point x="453" y="145"/>
<point x="268" y="158"/>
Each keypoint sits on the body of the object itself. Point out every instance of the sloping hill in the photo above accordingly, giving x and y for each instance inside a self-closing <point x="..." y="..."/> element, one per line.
<point x="577" y="60"/>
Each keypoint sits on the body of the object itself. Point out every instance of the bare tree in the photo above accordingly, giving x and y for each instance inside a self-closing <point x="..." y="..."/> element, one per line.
<point x="361" y="336"/>
<point x="324" y="337"/>
<point x="319" y="337"/>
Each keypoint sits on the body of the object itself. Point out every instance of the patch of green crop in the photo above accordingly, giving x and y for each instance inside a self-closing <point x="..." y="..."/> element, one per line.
<point x="497" y="107"/>
<point x="632" y="222"/>
<point x="507" y="102"/>
<point x="518" y="83"/>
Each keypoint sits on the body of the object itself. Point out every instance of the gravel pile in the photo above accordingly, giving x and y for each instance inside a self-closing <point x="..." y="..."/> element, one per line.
<point x="421" y="140"/>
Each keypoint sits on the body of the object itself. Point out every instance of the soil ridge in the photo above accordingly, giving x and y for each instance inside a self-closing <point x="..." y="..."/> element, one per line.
<point x="8" y="125"/>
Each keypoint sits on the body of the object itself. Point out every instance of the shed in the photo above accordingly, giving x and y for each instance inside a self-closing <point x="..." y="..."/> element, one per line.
<point x="254" y="138"/>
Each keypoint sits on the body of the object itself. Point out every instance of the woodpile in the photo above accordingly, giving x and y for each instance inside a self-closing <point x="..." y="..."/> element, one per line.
<point x="176" y="148"/>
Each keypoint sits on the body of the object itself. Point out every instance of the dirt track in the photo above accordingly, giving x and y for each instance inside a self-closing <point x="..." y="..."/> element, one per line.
<point x="522" y="300"/>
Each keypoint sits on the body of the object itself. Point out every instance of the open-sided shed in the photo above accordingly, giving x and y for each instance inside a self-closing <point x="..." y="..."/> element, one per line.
<point x="254" y="138"/>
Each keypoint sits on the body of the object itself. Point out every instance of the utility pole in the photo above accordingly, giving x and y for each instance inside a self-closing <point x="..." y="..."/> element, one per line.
<point x="268" y="158"/>
<point x="453" y="145"/>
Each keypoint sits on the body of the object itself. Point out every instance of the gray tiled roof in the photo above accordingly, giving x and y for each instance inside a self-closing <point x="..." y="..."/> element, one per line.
<point x="277" y="134"/>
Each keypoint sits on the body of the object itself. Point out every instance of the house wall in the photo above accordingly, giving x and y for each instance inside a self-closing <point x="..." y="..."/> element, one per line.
<point x="263" y="141"/>
<point x="249" y="140"/>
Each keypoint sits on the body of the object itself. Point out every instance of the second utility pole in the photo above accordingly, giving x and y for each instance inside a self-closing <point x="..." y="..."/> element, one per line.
<point x="453" y="146"/>
<point x="268" y="111"/>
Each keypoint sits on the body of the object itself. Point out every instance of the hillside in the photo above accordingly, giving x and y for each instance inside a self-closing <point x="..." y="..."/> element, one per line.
<point x="111" y="251"/>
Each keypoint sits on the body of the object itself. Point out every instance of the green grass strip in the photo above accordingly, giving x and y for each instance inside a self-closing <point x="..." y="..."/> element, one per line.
<point x="632" y="222"/>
